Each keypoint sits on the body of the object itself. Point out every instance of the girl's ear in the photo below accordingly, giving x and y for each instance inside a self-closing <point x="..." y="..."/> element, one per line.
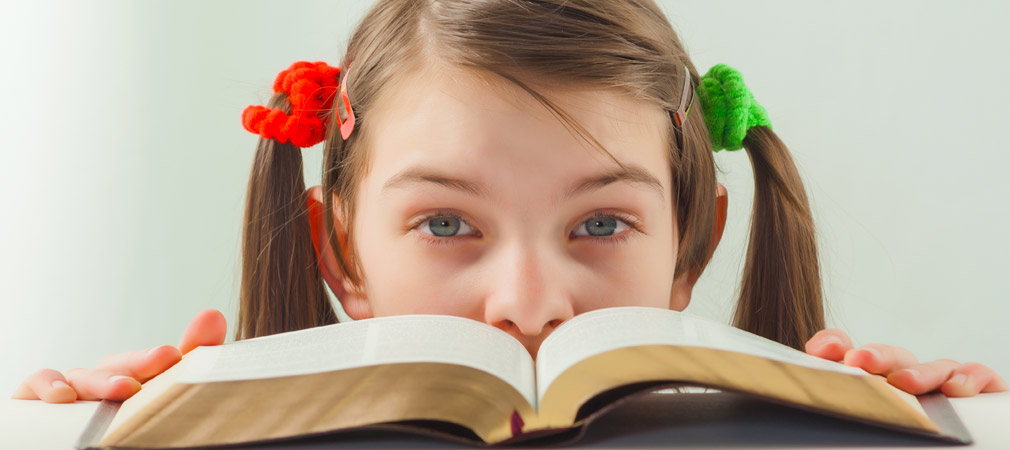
<point x="354" y="302"/>
<point x="680" y="296"/>
<point x="721" y="203"/>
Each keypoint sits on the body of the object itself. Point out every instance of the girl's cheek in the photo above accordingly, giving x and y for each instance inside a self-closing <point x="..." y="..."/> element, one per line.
<point x="604" y="260"/>
<point x="448" y="255"/>
<point x="632" y="274"/>
<point x="427" y="279"/>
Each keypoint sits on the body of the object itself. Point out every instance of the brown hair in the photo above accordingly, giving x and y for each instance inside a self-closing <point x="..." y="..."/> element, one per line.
<point x="625" y="45"/>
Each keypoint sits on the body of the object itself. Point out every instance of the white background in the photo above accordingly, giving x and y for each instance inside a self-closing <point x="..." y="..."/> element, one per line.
<point x="123" y="162"/>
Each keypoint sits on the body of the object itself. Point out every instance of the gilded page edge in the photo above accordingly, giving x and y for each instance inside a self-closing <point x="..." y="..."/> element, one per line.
<point x="583" y="381"/>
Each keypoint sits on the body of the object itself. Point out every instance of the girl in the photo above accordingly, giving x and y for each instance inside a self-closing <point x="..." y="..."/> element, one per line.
<point x="515" y="162"/>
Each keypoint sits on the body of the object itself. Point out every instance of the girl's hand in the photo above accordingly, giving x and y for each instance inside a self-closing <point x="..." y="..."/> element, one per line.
<point x="903" y="370"/>
<point x="119" y="376"/>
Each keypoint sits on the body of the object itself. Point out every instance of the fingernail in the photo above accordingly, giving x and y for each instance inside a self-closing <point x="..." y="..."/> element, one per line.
<point x="960" y="378"/>
<point x="873" y="352"/>
<point x="152" y="350"/>
<point x="116" y="378"/>
<point x="915" y="373"/>
<point x="59" y="383"/>
<point x="832" y="340"/>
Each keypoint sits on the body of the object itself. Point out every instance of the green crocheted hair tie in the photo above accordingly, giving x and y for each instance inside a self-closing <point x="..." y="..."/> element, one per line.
<point x="730" y="108"/>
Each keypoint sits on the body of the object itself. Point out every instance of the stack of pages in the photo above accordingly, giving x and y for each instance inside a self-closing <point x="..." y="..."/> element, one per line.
<point x="465" y="380"/>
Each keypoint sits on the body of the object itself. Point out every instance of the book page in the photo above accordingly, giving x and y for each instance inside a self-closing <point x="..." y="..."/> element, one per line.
<point x="607" y="329"/>
<point x="384" y="340"/>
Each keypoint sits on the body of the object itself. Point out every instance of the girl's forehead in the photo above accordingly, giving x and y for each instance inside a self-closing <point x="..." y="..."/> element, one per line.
<point x="460" y="121"/>
<point x="436" y="91"/>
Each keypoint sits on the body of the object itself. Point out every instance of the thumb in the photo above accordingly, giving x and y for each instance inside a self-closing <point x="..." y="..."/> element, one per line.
<point x="207" y="328"/>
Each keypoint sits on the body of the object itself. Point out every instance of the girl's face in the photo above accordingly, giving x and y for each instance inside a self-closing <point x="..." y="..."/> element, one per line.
<point x="479" y="203"/>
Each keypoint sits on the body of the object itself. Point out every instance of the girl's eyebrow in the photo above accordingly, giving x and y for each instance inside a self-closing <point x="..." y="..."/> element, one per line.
<point x="631" y="173"/>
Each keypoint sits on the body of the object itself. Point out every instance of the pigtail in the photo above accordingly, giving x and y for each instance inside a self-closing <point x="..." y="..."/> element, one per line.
<point x="780" y="294"/>
<point x="282" y="289"/>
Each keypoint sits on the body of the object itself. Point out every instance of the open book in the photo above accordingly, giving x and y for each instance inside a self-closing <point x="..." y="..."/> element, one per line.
<point x="467" y="380"/>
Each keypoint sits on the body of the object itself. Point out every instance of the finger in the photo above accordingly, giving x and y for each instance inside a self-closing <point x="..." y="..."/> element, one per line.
<point x="972" y="378"/>
<point x="996" y="384"/>
<point x="47" y="385"/>
<point x="207" y="328"/>
<point x="829" y="344"/>
<point x="880" y="359"/>
<point x="923" y="378"/>
<point x="141" y="365"/>
<point x="94" y="384"/>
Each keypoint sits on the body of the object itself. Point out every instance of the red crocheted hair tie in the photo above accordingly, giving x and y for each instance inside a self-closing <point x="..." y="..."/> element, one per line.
<point x="310" y="88"/>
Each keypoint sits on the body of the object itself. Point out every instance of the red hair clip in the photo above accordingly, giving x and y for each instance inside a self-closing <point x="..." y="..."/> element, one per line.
<point x="347" y="126"/>
<point x="311" y="88"/>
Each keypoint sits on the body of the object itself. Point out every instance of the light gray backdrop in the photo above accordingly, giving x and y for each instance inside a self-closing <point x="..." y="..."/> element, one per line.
<point x="123" y="161"/>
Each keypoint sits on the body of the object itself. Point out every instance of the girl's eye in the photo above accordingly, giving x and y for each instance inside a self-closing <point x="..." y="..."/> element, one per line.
<point x="445" y="226"/>
<point x="601" y="225"/>
<point x="607" y="228"/>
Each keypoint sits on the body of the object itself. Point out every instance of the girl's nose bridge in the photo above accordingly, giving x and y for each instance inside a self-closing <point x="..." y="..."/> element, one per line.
<point x="530" y="291"/>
